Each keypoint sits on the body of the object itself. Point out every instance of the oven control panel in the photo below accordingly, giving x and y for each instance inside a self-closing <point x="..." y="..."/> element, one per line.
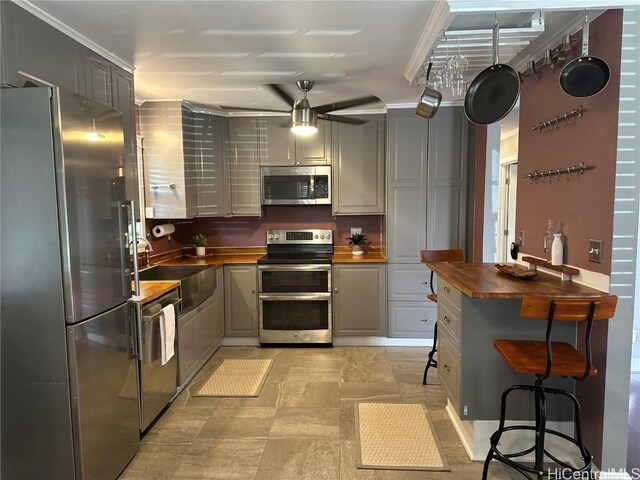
<point x="304" y="237"/>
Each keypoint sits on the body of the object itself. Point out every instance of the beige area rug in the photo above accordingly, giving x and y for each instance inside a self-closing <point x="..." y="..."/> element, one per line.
<point x="237" y="378"/>
<point x="397" y="436"/>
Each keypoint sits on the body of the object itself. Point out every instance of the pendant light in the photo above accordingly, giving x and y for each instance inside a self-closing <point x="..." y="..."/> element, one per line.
<point x="304" y="121"/>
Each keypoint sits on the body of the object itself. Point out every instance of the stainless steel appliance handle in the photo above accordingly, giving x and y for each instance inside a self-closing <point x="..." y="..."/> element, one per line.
<point x="296" y="268"/>
<point x="148" y="318"/>
<point x="133" y="331"/>
<point x="312" y="187"/>
<point x="136" y="271"/>
<point x="292" y="297"/>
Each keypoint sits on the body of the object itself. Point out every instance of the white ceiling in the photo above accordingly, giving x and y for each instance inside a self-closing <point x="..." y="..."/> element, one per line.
<point x="221" y="52"/>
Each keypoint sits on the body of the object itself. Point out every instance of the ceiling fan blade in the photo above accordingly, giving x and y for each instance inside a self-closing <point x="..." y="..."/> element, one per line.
<point x="354" y="102"/>
<point x="341" y="119"/>
<point x="282" y="93"/>
<point x="246" y="109"/>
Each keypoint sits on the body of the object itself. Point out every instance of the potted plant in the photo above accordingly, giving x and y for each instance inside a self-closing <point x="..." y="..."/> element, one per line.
<point x="357" y="242"/>
<point x="200" y="241"/>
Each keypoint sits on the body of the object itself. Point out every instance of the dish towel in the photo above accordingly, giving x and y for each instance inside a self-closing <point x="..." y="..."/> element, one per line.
<point x="167" y="333"/>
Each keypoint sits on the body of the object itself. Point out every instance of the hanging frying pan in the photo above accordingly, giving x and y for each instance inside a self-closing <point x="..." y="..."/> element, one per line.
<point x="586" y="75"/>
<point x="429" y="100"/>
<point x="494" y="92"/>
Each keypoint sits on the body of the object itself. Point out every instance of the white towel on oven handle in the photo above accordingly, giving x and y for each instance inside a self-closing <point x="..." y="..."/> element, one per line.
<point x="167" y="333"/>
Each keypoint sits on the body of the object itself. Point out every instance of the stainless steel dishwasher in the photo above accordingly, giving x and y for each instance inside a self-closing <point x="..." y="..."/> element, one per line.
<point x="157" y="382"/>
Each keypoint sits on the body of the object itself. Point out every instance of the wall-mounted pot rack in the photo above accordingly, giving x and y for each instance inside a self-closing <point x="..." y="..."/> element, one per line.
<point x="540" y="176"/>
<point x="559" y="120"/>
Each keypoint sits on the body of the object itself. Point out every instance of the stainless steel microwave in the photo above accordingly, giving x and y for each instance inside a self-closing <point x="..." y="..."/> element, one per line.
<point x="296" y="185"/>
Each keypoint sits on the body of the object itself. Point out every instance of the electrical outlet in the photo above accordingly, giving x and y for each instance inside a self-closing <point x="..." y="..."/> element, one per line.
<point x="521" y="239"/>
<point x="356" y="230"/>
<point x="595" y="251"/>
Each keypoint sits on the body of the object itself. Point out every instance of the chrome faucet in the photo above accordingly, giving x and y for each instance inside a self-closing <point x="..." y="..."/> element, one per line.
<point x="148" y="248"/>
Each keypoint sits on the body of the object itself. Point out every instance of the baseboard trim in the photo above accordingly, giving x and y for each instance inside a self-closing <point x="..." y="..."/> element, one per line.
<point x="240" y="342"/>
<point x="341" y="342"/>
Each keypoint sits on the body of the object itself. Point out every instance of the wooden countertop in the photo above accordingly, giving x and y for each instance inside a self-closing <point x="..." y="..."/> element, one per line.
<point x="152" y="289"/>
<point x="483" y="280"/>
<point x="368" y="257"/>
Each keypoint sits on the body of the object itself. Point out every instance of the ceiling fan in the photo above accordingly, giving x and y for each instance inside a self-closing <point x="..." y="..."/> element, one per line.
<point x="304" y="118"/>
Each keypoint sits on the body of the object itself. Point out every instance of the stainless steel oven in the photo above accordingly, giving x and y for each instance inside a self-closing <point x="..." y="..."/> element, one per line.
<point x="294" y="288"/>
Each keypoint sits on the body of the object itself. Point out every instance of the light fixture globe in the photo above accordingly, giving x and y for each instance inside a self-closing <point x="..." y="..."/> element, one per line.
<point x="304" y="120"/>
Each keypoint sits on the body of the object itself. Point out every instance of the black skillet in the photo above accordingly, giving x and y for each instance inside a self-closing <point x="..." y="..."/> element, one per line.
<point x="586" y="75"/>
<point x="494" y="92"/>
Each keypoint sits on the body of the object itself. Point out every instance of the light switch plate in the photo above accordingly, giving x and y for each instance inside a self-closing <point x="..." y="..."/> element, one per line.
<point x="521" y="239"/>
<point x="148" y="212"/>
<point x="356" y="230"/>
<point x="595" y="251"/>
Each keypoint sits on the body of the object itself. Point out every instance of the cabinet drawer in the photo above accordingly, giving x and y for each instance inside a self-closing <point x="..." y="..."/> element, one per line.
<point x="449" y="368"/>
<point x="408" y="282"/>
<point x="412" y="319"/>
<point x="449" y="317"/>
<point x="451" y="293"/>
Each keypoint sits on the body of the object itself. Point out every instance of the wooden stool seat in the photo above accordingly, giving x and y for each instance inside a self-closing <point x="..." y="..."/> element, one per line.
<point x="528" y="356"/>
<point x="433" y="297"/>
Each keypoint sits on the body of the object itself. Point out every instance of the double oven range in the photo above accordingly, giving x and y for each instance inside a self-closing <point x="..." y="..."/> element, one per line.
<point x="294" y="286"/>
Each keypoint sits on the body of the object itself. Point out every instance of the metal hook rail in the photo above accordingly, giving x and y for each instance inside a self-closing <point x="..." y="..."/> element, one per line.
<point x="560" y="119"/>
<point x="537" y="176"/>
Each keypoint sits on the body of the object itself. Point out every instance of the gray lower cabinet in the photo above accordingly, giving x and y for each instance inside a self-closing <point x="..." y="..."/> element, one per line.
<point x="198" y="337"/>
<point x="240" y="300"/>
<point x="472" y="373"/>
<point x="213" y="196"/>
<point x="243" y="159"/>
<point x="218" y="300"/>
<point x="412" y="319"/>
<point x="359" y="299"/>
<point x="358" y="167"/>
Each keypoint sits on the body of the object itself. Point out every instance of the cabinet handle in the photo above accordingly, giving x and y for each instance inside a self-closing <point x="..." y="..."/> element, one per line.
<point x="446" y="319"/>
<point x="425" y="319"/>
<point x="253" y="291"/>
<point x="335" y="211"/>
<point x="335" y="290"/>
<point x="424" y="283"/>
<point x="446" y="289"/>
<point x="446" y="368"/>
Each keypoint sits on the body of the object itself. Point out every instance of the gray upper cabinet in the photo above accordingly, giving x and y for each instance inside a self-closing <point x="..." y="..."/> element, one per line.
<point x="97" y="77"/>
<point x="213" y="198"/>
<point x="240" y="301"/>
<point x="279" y="147"/>
<point x="33" y="50"/>
<point x="358" y="167"/>
<point x="170" y="151"/>
<point x="352" y="283"/>
<point x="244" y="166"/>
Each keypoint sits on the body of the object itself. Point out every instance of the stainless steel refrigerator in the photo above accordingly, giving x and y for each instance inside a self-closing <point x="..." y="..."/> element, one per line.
<point x="69" y="399"/>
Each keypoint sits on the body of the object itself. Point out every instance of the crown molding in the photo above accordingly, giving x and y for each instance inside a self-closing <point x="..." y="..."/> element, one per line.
<point x="77" y="36"/>
<point x="439" y="19"/>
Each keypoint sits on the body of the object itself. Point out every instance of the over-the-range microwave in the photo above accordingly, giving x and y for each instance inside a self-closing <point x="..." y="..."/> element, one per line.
<point x="296" y="185"/>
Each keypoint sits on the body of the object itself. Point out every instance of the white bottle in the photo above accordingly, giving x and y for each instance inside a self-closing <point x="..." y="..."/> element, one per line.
<point x="557" y="249"/>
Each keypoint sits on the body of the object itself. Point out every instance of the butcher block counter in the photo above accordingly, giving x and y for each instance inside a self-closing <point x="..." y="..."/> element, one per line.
<point x="152" y="289"/>
<point x="483" y="280"/>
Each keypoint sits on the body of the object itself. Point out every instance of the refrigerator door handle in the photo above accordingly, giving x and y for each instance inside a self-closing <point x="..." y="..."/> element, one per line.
<point x="133" y="331"/>
<point x="134" y="242"/>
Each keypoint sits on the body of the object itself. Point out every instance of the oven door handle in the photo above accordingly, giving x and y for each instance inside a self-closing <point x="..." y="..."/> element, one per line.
<point x="292" y="297"/>
<point x="296" y="268"/>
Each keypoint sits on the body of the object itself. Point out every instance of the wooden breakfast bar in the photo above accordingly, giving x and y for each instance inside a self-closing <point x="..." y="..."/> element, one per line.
<point x="476" y="305"/>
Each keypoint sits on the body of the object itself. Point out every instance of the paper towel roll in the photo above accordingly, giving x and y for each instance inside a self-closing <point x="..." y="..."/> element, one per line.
<point x="163" y="230"/>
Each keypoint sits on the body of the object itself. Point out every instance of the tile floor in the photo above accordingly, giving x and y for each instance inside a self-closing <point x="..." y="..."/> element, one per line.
<point x="301" y="426"/>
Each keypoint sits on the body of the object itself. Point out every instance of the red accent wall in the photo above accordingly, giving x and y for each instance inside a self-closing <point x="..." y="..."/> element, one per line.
<point x="583" y="206"/>
<point x="251" y="231"/>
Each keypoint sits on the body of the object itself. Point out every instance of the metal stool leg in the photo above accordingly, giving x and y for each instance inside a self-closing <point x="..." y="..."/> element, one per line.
<point x="430" y="361"/>
<point x="541" y="425"/>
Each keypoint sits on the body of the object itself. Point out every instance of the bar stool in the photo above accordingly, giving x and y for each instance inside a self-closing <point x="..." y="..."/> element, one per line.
<point x="433" y="256"/>
<point x="544" y="359"/>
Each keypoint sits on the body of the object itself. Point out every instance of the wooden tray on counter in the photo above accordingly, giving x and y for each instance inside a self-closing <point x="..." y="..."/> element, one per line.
<point x="516" y="271"/>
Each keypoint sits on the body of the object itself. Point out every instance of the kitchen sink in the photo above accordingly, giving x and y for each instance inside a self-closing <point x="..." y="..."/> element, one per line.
<point x="197" y="282"/>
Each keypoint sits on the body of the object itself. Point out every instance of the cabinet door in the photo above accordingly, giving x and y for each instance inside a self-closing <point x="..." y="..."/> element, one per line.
<point x="207" y="328"/>
<point x="446" y="184"/>
<point x="189" y="345"/>
<point x="407" y="146"/>
<point x="211" y="184"/>
<point x="352" y="284"/>
<point x="244" y="167"/>
<point x="315" y="149"/>
<point x="409" y="282"/>
<point x="277" y="145"/>
<point x="124" y="100"/>
<point x="218" y="300"/>
<point x="33" y="50"/>
<point x="358" y="167"/>
<point x="97" y="77"/>
<point x="240" y="301"/>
